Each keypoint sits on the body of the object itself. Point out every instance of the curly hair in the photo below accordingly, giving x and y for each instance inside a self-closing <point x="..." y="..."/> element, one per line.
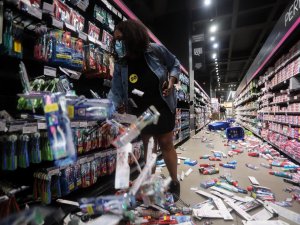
<point x="135" y="37"/>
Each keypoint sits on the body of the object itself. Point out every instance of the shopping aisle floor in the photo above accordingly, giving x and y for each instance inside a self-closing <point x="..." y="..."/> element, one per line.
<point x="194" y="148"/>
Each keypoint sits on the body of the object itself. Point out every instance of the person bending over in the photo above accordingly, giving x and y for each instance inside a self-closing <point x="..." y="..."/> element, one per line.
<point x="151" y="69"/>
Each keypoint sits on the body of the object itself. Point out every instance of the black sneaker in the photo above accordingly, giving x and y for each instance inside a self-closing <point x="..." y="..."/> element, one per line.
<point x="175" y="190"/>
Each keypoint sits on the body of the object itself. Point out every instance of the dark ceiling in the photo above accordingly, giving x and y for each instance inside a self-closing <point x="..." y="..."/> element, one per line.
<point x="243" y="26"/>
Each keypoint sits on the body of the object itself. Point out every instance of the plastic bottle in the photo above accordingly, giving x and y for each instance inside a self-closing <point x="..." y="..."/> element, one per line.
<point x="214" y="159"/>
<point x="205" y="157"/>
<point x="208" y="183"/>
<point x="233" y="162"/>
<point x="151" y="115"/>
<point x="229" y="166"/>
<point x="253" y="154"/>
<point x="207" y="165"/>
<point x="281" y="174"/>
<point x="268" y="166"/>
<point x="227" y="187"/>
<point x="251" y="166"/>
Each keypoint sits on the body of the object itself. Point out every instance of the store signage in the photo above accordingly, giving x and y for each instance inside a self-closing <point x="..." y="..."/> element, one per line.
<point x="293" y="11"/>
<point x="285" y="26"/>
<point x="198" y="51"/>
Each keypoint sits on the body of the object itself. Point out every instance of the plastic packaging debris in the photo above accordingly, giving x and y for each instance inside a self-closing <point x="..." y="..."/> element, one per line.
<point x="190" y="162"/>
<point x="205" y="157"/>
<point x="209" y="170"/>
<point x="229" y="166"/>
<point x="281" y="174"/>
<point x="284" y="204"/>
<point x="188" y="172"/>
<point x="229" y="180"/>
<point x="233" y="162"/>
<point x="227" y="187"/>
<point x="253" y="154"/>
<point x="238" y="150"/>
<point x="260" y="192"/>
<point x="160" y="162"/>
<point x="252" y="166"/>
<point x="208" y="183"/>
<point x="268" y="166"/>
<point x="207" y="165"/>
<point x="214" y="159"/>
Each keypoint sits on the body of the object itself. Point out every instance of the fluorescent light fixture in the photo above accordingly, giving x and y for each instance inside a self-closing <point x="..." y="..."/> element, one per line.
<point x="212" y="38"/>
<point x="216" y="59"/>
<point x="207" y="2"/>
<point x="214" y="55"/>
<point x="215" y="45"/>
<point x="213" y="28"/>
<point x="216" y="62"/>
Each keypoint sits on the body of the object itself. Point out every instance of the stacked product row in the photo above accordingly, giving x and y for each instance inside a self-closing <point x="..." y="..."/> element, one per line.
<point x="270" y="105"/>
<point x="202" y="107"/>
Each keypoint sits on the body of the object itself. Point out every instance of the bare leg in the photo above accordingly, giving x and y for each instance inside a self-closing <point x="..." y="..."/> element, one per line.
<point x="165" y="142"/>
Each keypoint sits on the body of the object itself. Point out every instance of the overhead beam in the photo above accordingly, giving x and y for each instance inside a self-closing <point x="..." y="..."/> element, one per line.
<point x="233" y="27"/>
<point x="259" y="40"/>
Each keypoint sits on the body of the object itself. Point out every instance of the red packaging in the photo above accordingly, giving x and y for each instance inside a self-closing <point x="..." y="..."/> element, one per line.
<point x="94" y="31"/>
<point x="61" y="11"/>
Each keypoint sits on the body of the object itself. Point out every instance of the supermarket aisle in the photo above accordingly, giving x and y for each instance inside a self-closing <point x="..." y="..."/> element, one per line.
<point x="195" y="148"/>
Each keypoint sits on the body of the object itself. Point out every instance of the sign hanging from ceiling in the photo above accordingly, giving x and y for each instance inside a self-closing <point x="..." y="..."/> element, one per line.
<point x="286" y="25"/>
<point x="198" y="51"/>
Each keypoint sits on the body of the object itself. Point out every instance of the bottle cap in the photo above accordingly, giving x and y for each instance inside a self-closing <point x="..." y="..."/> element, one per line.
<point x="250" y="188"/>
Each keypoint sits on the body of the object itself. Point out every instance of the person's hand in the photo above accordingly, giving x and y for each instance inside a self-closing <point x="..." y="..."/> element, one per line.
<point x="121" y="109"/>
<point x="167" y="88"/>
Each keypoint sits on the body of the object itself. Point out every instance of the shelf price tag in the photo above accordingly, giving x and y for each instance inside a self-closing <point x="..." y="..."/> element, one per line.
<point x="57" y="23"/>
<point x="42" y="126"/>
<point x="2" y="125"/>
<point x="49" y="71"/>
<point x="30" y="128"/>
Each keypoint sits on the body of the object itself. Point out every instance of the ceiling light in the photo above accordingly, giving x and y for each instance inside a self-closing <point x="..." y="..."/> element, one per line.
<point x="212" y="38"/>
<point x="214" y="55"/>
<point x="215" y="45"/>
<point x="216" y="62"/>
<point x="213" y="28"/>
<point x="207" y="2"/>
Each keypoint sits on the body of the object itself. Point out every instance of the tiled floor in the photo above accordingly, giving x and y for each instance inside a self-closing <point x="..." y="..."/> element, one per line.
<point x="195" y="148"/>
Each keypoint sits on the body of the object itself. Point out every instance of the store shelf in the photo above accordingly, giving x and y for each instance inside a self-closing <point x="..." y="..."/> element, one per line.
<point x="283" y="123"/>
<point x="275" y="146"/>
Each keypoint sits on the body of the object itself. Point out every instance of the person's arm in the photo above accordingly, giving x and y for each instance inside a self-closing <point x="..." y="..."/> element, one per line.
<point x="173" y="66"/>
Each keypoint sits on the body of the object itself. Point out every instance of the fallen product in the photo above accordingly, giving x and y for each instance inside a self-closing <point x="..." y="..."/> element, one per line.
<point x="268" y="166"/>
<point x="233" y="162"/>
<point x="250" y="166"/>
<point x="229" y="180"/>
<point x="281" y="174"/>
<point x="205" y="157"/>
<point x="209" y="170"/>
<point x="228" y="193"/>
<point x="214" y="159"/>
<point x="227" y="187"/>
<point x="263" y="222"/>
<point x="286" y="213"/>
<point x="190" y="162"/>
<point x="222" y="208"/>
<point x="229" y="166"/>
<point x="239" y="211"/>
<point x="253" y="154"/>
<point x="253" y="180"/>
<point x="207" y="165"/>
<point x="208" y="183"/>
<point x="188" y="172"/>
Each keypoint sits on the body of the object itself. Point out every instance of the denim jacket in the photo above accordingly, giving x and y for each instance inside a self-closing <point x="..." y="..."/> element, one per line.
<point x="162" y="63"/>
